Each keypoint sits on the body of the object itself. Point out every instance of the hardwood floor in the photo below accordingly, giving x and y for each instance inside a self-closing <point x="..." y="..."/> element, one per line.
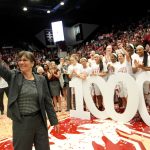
<point x="6" y="123"/>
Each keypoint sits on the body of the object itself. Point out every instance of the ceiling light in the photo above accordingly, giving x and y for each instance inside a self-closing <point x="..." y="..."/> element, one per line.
<point x="48" y="11"/>
<point x="34" y="0"/>
<point x="25" y="8"/>
<point x="62" y="3"/>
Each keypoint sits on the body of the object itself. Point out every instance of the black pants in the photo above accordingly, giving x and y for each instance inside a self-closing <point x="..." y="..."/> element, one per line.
<point x="2" y="90"/>
<point x="68" y="97"/>
<point x="30" y="131"/>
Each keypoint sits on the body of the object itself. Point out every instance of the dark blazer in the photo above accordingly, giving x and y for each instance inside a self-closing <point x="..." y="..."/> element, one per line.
<point x="14" y="79"/>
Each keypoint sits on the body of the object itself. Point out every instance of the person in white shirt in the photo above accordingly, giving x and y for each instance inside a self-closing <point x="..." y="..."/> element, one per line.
<point x="124" y="66"/>
<point x="107" y="57"/>
<point x="143" y="61"/>
<point x="3" y="89"/>
<point x="134" y="56"/>
<point x="91" y="60"/>
<point x="86" y="72"/>
<point x="74" y="71"/>
<point x="98" y="69"/>
<point x="143" y="64"/>
<point x="112" y="65"/>
<point x="86" y="68"/>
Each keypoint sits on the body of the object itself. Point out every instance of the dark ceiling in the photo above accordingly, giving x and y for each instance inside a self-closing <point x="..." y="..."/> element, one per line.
<point x="16" y="24"/>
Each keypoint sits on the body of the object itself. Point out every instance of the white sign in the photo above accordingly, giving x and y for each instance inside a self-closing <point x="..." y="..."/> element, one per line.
<point x="135" y="97"/>
<point x="57" y="29"/>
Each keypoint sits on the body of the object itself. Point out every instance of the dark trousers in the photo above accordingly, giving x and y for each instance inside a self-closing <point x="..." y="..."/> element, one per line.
<point x="2" y="90"/>
<point x="31" y="130"/>
<point x="68" y="97"/>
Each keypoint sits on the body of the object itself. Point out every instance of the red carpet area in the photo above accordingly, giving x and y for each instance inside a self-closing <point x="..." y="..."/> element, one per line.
<point x="95" y="134"/>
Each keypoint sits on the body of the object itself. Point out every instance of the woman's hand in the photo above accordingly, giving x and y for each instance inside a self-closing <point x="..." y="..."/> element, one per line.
<point x="136" y="63"/>
<point x="57" y="129"/>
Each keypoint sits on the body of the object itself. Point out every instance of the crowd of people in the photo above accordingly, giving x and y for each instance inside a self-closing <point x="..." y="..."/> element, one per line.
<point x="126" y="51"/>
<point x="36" y="82"/>
<point x="123" y="50"/>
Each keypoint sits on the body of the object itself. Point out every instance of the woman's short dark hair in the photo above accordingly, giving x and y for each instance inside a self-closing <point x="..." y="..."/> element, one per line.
<point x="28" y="55"/>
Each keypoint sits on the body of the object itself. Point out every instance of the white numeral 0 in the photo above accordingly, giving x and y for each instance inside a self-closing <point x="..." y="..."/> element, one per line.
<point x="135" y="97"/>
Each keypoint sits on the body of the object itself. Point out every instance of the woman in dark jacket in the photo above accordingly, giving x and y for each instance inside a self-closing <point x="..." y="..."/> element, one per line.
<point x="28" y="102"/>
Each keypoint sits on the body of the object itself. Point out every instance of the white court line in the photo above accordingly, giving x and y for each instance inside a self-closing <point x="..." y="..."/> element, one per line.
<point x="136" y="145"/>
<point x="1" y="141"/>
<point x="138" y="132"/>
<point x="141" y="133"/>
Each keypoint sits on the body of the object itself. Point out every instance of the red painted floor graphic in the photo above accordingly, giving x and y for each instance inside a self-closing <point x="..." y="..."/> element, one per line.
<point x="96" y="134"/>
